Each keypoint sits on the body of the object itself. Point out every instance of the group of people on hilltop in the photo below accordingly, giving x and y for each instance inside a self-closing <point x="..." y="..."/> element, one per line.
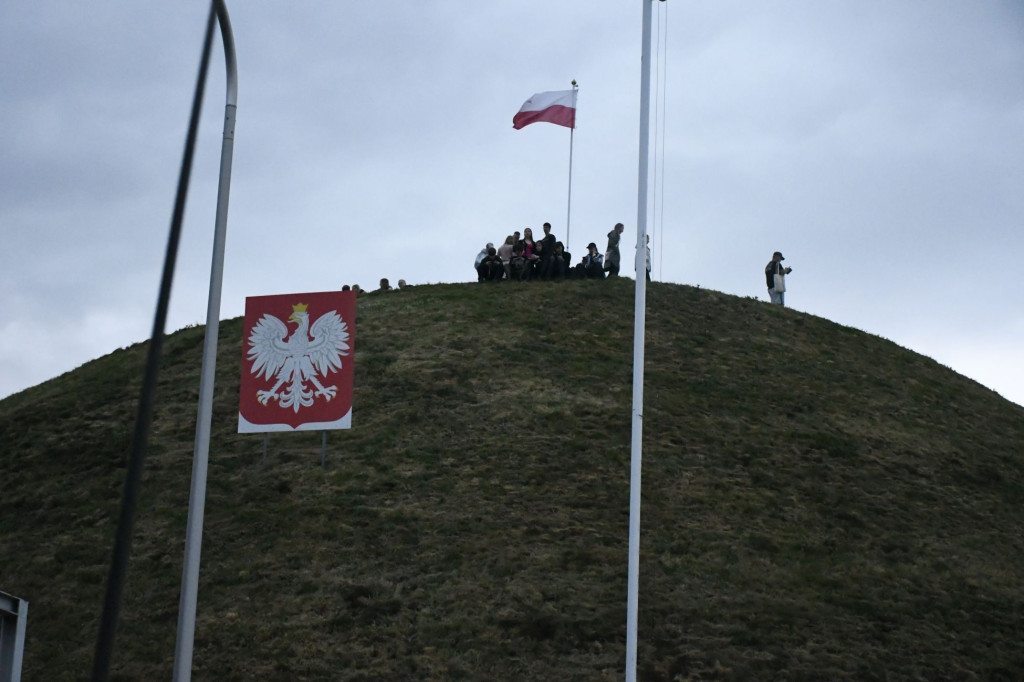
<point x="521" y="257"/>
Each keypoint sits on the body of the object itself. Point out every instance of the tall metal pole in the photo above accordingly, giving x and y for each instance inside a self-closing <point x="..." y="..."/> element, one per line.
<point x="639" y="320"/>
<point x="568" y="210"/>
<point x="197" y="496"/>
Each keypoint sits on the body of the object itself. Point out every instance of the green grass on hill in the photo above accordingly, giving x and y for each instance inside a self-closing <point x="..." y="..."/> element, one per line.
<point x="818" y="503"/>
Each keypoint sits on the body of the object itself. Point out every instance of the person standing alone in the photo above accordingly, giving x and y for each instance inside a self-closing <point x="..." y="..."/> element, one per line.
<point x="611" y="258"/>
<point x="775" y="277"/>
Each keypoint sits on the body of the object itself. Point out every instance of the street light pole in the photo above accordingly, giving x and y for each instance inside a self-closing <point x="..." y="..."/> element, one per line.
<point x="201" y="455"/>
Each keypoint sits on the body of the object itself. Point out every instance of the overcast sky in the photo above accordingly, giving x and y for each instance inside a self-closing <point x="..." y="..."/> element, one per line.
<point x="876" y="143"/>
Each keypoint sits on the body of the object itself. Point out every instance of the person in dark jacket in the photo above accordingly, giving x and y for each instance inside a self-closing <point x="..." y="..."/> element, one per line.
<point x="546" y="267"/>
<point x="563" y="261"/>
<point x="491" y="268"/>
<point x="774" y="275"/>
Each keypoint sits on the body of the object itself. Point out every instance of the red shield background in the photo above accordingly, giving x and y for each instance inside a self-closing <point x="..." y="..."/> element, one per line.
<point x="255" y="417"/>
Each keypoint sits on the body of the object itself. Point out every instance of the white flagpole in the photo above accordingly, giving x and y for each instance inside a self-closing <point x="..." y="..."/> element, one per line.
<point x="639" y="320"/>
<point x="568" y="210"/>
<point x="182" y="671"/>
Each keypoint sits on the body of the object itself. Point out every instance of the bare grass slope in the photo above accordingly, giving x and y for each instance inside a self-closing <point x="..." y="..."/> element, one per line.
<point x="818" y="503"/>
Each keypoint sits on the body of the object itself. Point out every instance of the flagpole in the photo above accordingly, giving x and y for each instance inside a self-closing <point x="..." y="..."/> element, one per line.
<point x="568" y="210"/>
<point x="639" y="321"/>
<point x="183" y="648"/>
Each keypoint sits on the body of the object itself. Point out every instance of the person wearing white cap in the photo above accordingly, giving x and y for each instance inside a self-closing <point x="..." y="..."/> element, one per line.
<point x="775" y="277"/>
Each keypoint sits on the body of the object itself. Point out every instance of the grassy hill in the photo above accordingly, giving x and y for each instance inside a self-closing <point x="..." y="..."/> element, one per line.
<point x="818" y="503"/>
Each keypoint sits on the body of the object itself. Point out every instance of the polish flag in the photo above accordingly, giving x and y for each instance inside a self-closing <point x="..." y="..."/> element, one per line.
<point x="558" y="107"/>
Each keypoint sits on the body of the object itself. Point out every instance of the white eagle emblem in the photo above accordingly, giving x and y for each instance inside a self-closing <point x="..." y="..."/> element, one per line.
<point x="293" y="360"/>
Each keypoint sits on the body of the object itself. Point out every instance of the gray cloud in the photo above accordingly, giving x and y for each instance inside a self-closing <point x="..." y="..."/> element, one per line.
<point x="874" y="142"/>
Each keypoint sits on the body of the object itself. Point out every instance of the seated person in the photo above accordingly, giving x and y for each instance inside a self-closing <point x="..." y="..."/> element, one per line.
<point x="479" y="259"/>
<point x="491" y="268"/>
<point x="505" y="252"/>
<point x="534" y="261"/>
<point x="592" y="265"/>
<point x="554" y="265"/>
<point x="563" y="261"/>
<point x="517" y="264"/>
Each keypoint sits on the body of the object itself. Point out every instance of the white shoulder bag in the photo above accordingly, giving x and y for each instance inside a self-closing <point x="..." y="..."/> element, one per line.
<point x="780" y="282"/>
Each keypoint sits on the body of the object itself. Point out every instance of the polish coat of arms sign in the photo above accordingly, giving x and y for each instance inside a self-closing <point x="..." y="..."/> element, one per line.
<point x="297" y="362"/>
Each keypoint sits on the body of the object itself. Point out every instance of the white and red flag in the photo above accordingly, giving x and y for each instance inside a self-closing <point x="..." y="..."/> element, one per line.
<point x="558" y="107"/>
<point x="297" y="362"/>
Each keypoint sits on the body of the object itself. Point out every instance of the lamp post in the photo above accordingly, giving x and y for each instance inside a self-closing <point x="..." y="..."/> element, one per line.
<point x="201" y="455"/>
